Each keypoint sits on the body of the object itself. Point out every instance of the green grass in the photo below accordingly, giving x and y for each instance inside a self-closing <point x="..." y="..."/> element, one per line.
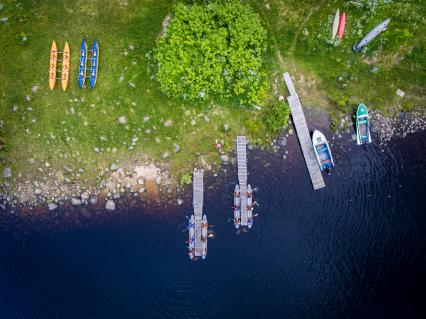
<point x="65" y="139"/>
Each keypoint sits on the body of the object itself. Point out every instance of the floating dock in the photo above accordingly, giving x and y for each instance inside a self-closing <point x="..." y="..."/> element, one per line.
<point x="303" y="135"/>
<point x="246" y="206"/>
<point x="200" y="220"/>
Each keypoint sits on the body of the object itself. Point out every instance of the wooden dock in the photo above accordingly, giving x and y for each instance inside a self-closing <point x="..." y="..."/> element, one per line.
<point x="303" y="134"/>
<point x="242" y="176"/>
<point x="198" y="195"/>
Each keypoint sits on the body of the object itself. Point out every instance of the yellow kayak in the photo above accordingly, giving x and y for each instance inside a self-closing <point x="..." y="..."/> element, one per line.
<point x="52" y="66"/>
<point x="65" y="66"/>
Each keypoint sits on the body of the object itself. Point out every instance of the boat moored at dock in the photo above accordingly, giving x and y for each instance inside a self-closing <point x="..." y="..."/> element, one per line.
<point x="362" y="125"/>
<point x="237" y="207"/>
<point x="198" y="226"/>
<point x="249" y="206"/>
<point x="243" y="195"/>
<point x="322" y="151"/>
<point x="191" y="237"/>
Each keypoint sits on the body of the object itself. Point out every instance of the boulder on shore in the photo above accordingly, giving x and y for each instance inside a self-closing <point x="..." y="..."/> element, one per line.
<point x="110" y="205"/>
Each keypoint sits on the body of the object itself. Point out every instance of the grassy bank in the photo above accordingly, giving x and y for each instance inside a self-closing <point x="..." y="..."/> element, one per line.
<point x="47" y="132"/>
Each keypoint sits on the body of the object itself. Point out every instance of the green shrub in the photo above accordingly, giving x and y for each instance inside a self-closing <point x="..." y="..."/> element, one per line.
<point x="276" y="117"/>
<point x="185" y="179"/>
<point x="212" y="51"/>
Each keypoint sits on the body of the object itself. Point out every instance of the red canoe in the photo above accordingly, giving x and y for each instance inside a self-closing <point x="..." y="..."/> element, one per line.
<point x="342" y="23"/>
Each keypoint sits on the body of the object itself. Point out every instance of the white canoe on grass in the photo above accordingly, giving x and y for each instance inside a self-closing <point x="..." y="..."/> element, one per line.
<point x="335" y="24"/>
<point x="322" y="151"/>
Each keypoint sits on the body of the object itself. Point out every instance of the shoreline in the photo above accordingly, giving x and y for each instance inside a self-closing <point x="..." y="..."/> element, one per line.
<point x="141" y="182"/>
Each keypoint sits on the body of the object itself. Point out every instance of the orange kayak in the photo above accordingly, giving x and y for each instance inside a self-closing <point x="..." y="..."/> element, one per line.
<point x="342" y="24"/>
<point x="52" y="65"/>
<point x="65" y="66"/>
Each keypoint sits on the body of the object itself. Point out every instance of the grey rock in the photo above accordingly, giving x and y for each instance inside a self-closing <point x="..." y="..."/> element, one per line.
<point x="85" y="196"/>
<point x="52" y="206"/>
<point x="177" y="147"/>
<point x="282" y="141"/>
<point x="224" y="158"/>
<point x="110" y="205"/>
<point x="114" y="167"/>
<point x="7" y="172"/>
<point x="38" y="191"/>
<point x="141" y="181"/>
<point x="93" y="200"/>
<point x="374" y="69"/>
<point x="122" y="120"/>
<point x="75" y="201"/>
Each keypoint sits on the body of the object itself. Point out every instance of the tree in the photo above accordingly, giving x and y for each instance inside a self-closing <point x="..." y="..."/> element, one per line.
<point x="212" y="51"/>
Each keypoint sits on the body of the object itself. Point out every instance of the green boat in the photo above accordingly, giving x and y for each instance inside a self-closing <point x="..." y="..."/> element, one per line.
<point x="362" y="125"/>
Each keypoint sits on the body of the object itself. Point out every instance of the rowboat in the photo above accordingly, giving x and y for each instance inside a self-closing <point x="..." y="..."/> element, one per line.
<point x="191" y="237"/>
<point x="249" y="206"/>
<point x="362" y="125"/>
<point x="371" y="35"/>
<point x="52" y="65"/>
<point x="66" y="54"/>
<point x="322" y="151"/>
<point x="342" y="24"/>
<point x="237" y="207"/>
<point x="335" y="24"/>
<point x="82" y="65"/>
<point x="94" y="66"/>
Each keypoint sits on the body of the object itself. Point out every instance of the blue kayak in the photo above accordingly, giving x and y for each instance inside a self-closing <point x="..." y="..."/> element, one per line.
<point x="82" y="65"/>
<point x="94" y="66"/>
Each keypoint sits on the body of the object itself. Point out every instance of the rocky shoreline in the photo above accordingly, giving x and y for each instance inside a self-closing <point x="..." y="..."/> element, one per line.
<point x="136" y="183"/>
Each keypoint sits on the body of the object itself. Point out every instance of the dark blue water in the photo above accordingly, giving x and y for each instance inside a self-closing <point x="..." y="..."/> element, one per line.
<point x="353" y="250"/>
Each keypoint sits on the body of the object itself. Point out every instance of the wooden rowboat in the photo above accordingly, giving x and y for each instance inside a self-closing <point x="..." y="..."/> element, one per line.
<point x="335" y="24"/>
<point x="82" y="65"/>
<point x="65" y="66"/>
<point x="52" y="65"/>
<point x="322" y="151"/>
<point x="362" y="125"/>
<point x="342" y="24"/>
<point x="94" y="66"/>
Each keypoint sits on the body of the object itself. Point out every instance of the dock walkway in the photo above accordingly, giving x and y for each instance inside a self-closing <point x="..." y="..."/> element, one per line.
<point x="242" y="176"/>
<point x="303" y="135"/>
<point x="197" y="201"/>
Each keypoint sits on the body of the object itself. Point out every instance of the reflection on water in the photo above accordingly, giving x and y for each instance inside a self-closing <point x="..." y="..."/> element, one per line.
<point x="355" y="249"/>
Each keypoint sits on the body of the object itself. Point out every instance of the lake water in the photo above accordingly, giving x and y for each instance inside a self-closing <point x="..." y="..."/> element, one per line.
<point x="355" y="249"/>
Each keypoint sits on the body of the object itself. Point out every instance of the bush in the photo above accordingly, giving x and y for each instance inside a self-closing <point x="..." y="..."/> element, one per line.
<point x="185" y="179"/>
<point x="212" y="51"/>
<point x="276" y="117"/>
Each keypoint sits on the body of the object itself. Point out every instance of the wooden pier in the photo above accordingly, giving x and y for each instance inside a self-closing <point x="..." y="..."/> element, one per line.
<point x="303" y="135"/>
<point x="198" y="195"/>
<point x="242" y="176"/>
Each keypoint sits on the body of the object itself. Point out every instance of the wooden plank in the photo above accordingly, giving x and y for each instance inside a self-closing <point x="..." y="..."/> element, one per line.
<point x="303" y="135"/>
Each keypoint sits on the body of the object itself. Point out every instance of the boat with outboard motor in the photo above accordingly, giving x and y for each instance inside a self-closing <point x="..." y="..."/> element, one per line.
<point x="322" y="151"/>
